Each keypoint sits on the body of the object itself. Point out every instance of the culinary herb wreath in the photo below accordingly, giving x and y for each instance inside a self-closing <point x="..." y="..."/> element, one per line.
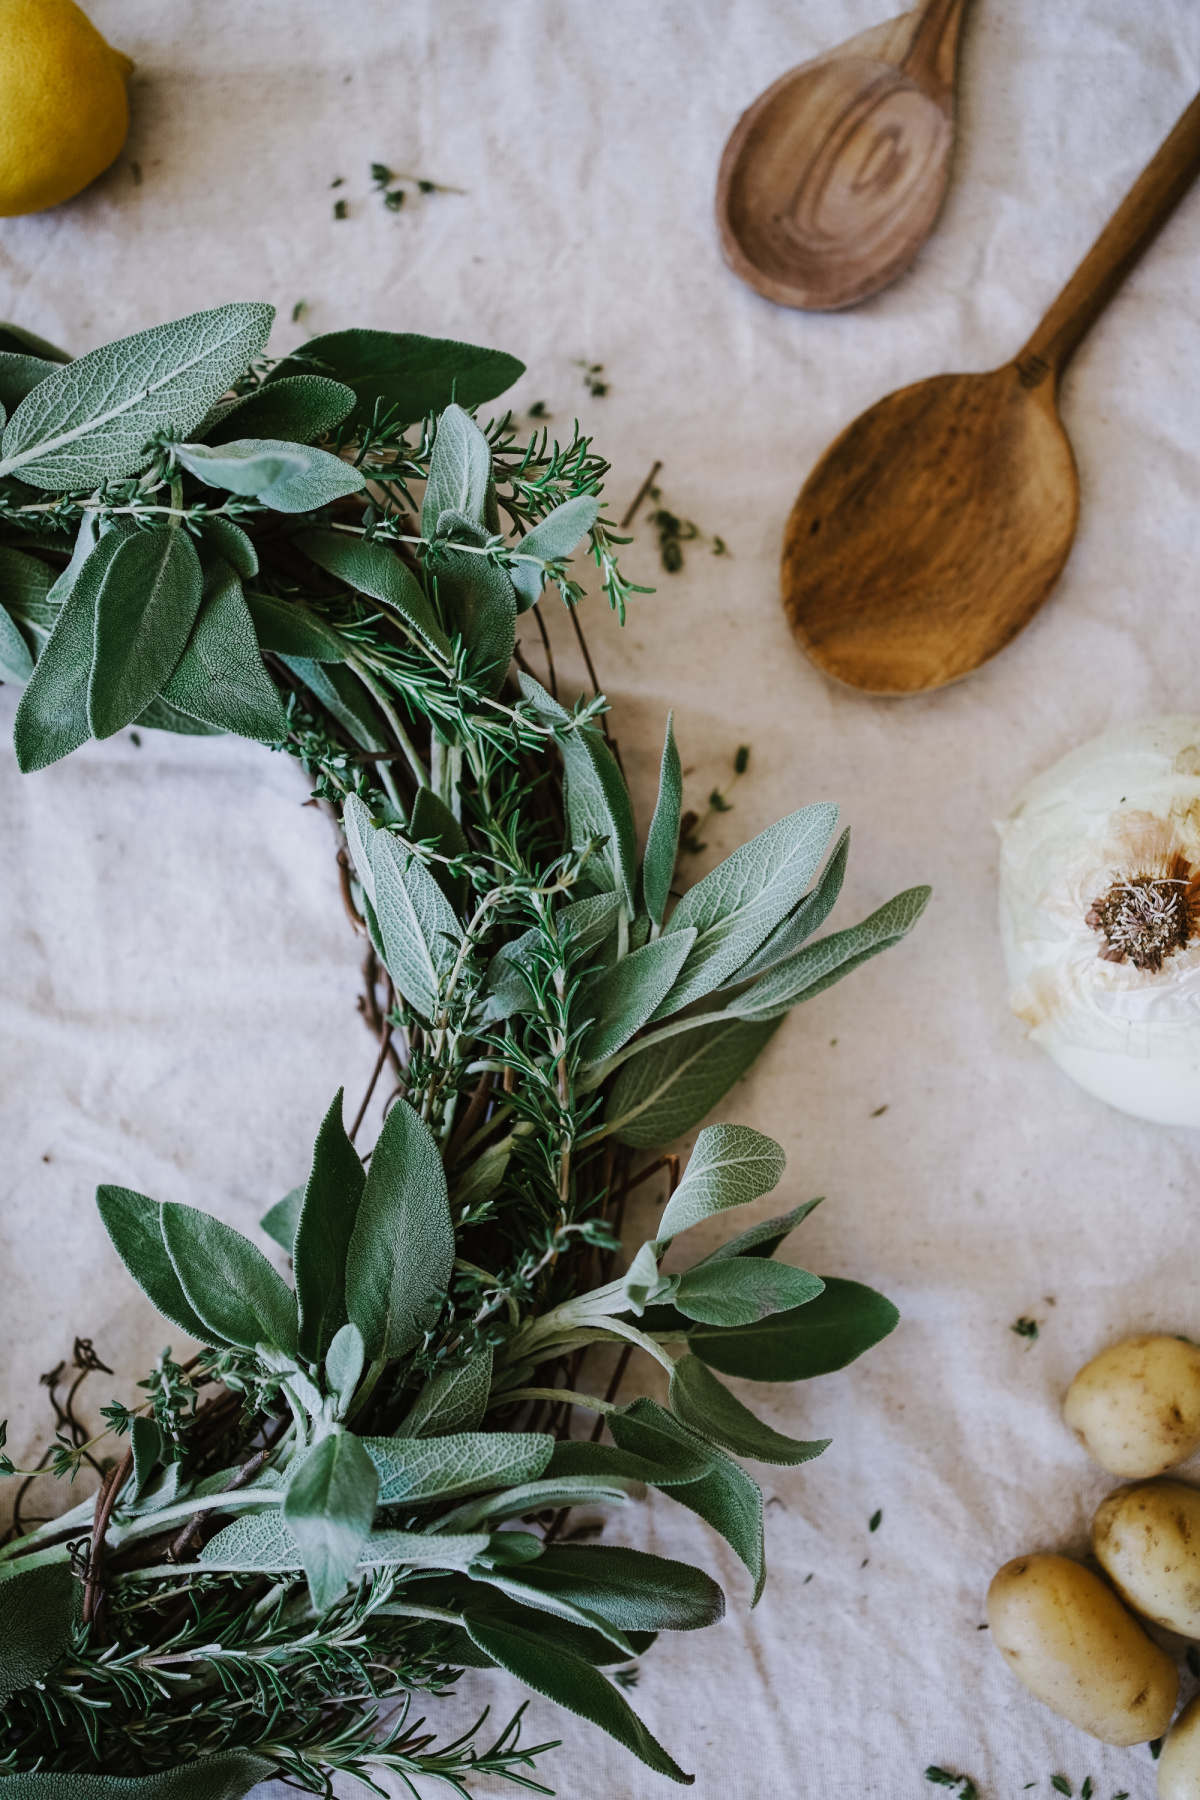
<point x="360" y="1485"/>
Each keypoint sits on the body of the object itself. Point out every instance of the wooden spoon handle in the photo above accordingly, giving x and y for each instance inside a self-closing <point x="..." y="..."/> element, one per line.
<point x="1131" y="230"/>
<point x="933" y="49"/>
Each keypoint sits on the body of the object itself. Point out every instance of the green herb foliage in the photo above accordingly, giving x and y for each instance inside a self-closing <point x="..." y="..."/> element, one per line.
<point x="332" y="554"/>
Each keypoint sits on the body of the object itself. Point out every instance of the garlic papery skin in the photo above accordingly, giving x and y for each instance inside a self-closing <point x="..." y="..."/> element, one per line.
<point x="1100" y="916"/>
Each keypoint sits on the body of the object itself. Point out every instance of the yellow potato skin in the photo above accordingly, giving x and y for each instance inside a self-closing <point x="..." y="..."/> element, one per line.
<point x="1179" y="1764"/>
<point x="1135" y="1408"/>
<point x="1147" y="1540"/>
<point x="1068" y="1639"/>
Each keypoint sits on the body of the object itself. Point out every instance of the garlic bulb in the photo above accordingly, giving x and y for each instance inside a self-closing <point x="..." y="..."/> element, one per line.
<point x="1100" y="916"/>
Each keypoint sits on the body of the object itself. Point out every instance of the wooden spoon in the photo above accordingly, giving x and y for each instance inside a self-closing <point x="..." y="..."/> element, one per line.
<point x="931" y="531"/>
<point x="831" y="181"/>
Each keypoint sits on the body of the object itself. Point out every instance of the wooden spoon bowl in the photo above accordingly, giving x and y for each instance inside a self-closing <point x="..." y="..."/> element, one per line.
<point x="831" y="181"/>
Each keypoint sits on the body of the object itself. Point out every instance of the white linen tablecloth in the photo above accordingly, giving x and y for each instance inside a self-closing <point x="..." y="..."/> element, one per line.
<point x="178" y="979"/>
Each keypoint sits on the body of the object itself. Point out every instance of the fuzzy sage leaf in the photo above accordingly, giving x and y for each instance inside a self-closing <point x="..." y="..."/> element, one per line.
<point x="402" y="1247"/>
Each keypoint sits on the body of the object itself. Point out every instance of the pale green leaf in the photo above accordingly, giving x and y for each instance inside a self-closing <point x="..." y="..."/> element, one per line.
<point x="328" y="1508"/>
<point x="258" y="1541"/>
<point x="228" y="1283"/>
<point x="287" y="477"/>
<point x="808" y="917"/>
<point x="662" y="844"/>
<point x="420" y="931"/>
<point x="730" y="1166"/>
<point x="52" y="717"/>
<point x="480" y="604"/>
<point x="160" y="715"/>
<point x="443" y="1468"/>
<point x="16" y="663"/>
<point x="281" y="1220"/>
<point x="453" y="1400"/>
<point x="360" y="834"/>
<point x="340" y="691"/>
<point x="26" y="584"/>
<point x="529" y="1497"/>
<point x="552" y="538"/>
<point x="134" y="1224"/>
<point x="460" y="470"/>
<point x="706" y="1406"/>
<point x="762" y="1239"/>
<point x="621" y="998"/>
<point x="344" y="1362"/>
<point x="230" y="543"/>
<point x="739" y="1290"/>
<point x="399" y="1260"/>
<point x="91" y="421"/>
<point x="811" y="970"/>
<point x="664" y="1091"/>
<point x="371" y="568"/>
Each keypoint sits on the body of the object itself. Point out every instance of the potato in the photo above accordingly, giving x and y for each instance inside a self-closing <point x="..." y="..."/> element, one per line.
<point x="1147" y="1538"/>
<point x="1179" y="1764"/>
<point x="1069" y="1639"/>
<point x="1135" y="1408"/>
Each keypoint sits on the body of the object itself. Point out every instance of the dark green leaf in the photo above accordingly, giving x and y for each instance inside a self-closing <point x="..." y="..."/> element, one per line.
<point x="811" y="970"/>
<point x="453" y="1400"/>
<point x="14" y="339"/>
<point x="420" y="932"/>
<point x="92" y="420"/>
<point x="373" y="569"/>
<point x="220" y="679"/>
<point x="299" y="409"/>
<point x="26" y="584"/>
<point x="408" y="375"/>
<point x="289" y="478"/>
<point x="726" y="1497"/>
<point x="281" y="1221"/>
<point x="52" y="718"/>
<point x="433" y="823"/>
<point x="740" y="1290"/>
<point x="480" y="603"/>
<point x="662" y="845"/>
<point x="442" y="1468"/>
<point x="38" y="1609"/>
<point x="146" y="1442"/>
<point x="808" y="917"/>
<point x="323" y="1233"/>
<point x="228" y="1283"/>
<point x="460" y="472"/>
<point x="530" y="1498"/>
<point x="763" y="1239"/>
<point x="630" y="1589"/>
<point x="706" y="1405"/>
<point x="519" y="1644"/>
<point x="343" y="694"/>
<point x="398" y="1264"/>
<point x="19" y="375"/>
<point x="161" y="716"/>
<point x="227" y="1776"/>
<point x="16" y="663"/>
<point x="622" y="997"/>
<point x="664" y="1091"/>
<point x="650" y="1455"/>
<point x="328" y="1508"/>
<point x="146" y="606"/>
<point x="815" y="1339"/>
<point x="230" y="543"/>
<point x="598" y="803"/>
<point x="134" y="1224"/>
<point x="553" y="538"/>
<point x="730" y="1166"/>
<point x="288" y="628"/>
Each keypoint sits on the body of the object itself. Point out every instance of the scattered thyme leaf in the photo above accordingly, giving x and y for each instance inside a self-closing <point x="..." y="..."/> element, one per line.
<point x="338" y="181"/>
<point x="1026" y="1328"/>
<point x="718" y="802"/>
<point x="944" y="1778"/>
<point x="1061" y="1785"/>
<point x="741" y="761"/>
<point x="1087" y="1790"/>
<point x="627" y="1678"/>
<point x="1155" y="1748"/>
<point x="876" y="1520"/>
<point x="394" y="200"/>
<point x="381" y="175"/>
<point x="298" y="311"/>
<point x="591" y="378"/>
<point x="341" y="210"/>
<point x="538" y="410"/>
<point x="879" y="1111"/>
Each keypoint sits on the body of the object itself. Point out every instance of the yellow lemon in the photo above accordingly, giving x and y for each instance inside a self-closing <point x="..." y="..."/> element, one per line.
<point x="63" y="111"/>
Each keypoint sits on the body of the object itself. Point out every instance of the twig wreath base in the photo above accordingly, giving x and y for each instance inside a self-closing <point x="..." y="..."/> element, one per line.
<point x="365" y="1481"/>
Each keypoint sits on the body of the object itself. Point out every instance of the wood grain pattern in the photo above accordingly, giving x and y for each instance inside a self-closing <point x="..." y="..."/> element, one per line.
<point x="931" y="531"/>
<point x="831" y="181"/>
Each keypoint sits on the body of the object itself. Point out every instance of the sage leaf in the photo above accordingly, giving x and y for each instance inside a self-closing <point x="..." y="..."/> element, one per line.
<point x="660" y="1461"/>
<point x="346" y="698"/>
<point x="662" y="844"/>
<point x="480" y="604"/>
<point x="296" y="410"/>
<point x="808" y="917"/>
<point x="220" y="678"/>
<point x="510" y="1582"/>
<point x="359" y="830"/>
<point x="598" y="803"/>
<point x="402" y="373"/>
<point x="328" y="1508"/>
<point x="289" y="478"/>
<point x="14" y="339"/>
<point x="332" y="1198"/>
<point x="460" y="471"/>
<point x="704" y="1404"/>
<point x="629" y="1588"/>
<point x="442" y="1468"/>
<point x="552" y="538"/>
<point x="523" y="1649"/>
<point x="91" y="421"/>
<point x="39" y="1609"/>
<point x="762" y="1239"/>
<point x="16" y="663"/>
<point x="160" y="715"/>
<point x="420" y="932"/>
<point x="230" y="543"/>
<point x="434" y="824"/>
<point x="26" y="584"/>
<point x="811" y="970"/>
<point x="621" y="998"/>
<point x="229" y="1775"/>
<point x="344" y="1362"/>
<point x="730" y="1166"/>
<point x="664" y="1091"/>
<point x="726" y="1497"/>
<point x="290" y="630"/>
<point x="814" y="1339"/>
<point x="19" y="375"/>
<point x="146" y="1442"/>
<point x="742" y="1290"/>
<point x="540" y="1496"/>
<point x="52" y="717"/>
<point x="402" y="1248"/>
<point x="744" y="898"/>
<point x="453" y="1400"/>
<point x="146" y="605"/>
<point x="371" y="569"/>
<point x="258" y="1541"/>
<point x="641" y="1279"/>
<point x="134" y="1224"/>
<point x="386" y="1549"/>
<point x="228" y="1283"/>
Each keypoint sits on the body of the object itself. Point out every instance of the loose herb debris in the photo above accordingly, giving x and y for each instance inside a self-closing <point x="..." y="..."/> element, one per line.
<point x="692" y="824"/>
<point x="1061" y="1784"/>
<point x="943" y="1778"/>
<point x="876" y="1520"/>
<point x="341" y="209"/>
<point x="299" y="1527"/>
<point x="393" y="186"/>
<point x="1026" y="1328"/>
<point x="674" y="532"/>
<point x="592" y="373"/>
